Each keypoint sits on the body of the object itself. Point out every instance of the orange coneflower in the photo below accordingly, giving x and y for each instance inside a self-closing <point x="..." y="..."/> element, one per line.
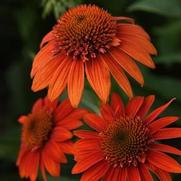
<point x="87" y="38"/>
<point x="46" y="137"/>
<point x="125" y="143"/>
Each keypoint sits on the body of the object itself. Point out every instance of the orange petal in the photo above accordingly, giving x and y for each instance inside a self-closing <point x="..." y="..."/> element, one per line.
<point x="166" y="148"/>
<point x="132" y="29"/>
<point x="76" y="82"/>
<point x="37" y="105"/>
<point x="67" y="147"/>
<point x="161" y="123"/>
<point x="153" y="115"/>
<point x="167" y="133"/>
<point x="134" y="105"/>
<point x="148" y="101"/>
<point x="86" y="134"/>
<point x="86" y="163"/>
<point x="63" y="110"/>
<point x="48" y="37"/>
<point x="117" y="104"/>
<point x="133" y="174"/>
<point x="61" y="134"/>
<point x="107" y="113"/>
<point x="22" y="119"/>
<point x="144" y="173"/>
<point x="70" y="123"/>
<point x="42" y="77"/>
<point x="95" y="122"/>
<point x="52" y="167"/>
<point x="99" y="78"/>
<point x="42" y="58"/>
<point x="142" y="42"/>
<point x="164" y="162"/>
<point x="97" y="171"/>
<point x="162" y="175"/>
<point x="53" y="151"/>
<point x="137" y="53"/>
<point x="59" y="79"/>
<point x="119" y="75"/>
<point x="127" y="64"/>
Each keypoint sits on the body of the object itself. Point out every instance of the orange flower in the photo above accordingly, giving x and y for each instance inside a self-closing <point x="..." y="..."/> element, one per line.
<point x="125" y="143"/>
<point x="88" y="39"/>
<point x="46" y="137"/>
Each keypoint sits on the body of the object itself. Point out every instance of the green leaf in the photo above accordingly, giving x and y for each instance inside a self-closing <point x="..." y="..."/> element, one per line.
<point x="168" y="42"/>
<point x="169" y="8"/>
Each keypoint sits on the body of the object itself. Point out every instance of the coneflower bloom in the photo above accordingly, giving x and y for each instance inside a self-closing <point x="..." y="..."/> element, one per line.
<point x="46" y="134"/>
<point x="125" y="143"/>
<point x="88" y="40"/>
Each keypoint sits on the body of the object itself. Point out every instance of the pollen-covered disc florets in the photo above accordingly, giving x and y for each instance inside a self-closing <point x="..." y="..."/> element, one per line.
<point x="85" y="31"/>
<point x="37" y="128"/>
<point x="125" y="142"/>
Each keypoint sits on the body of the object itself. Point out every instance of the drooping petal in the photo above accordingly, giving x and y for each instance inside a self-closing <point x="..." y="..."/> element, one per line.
<point x="95" y="122"/>
<point x="99" y="78"/>
<point x="141" y="41"/>
<point x="119" y="75"/>
<point x="132" y="29"/>
<point x="153" y="115"/>
<point x="59" y="79"/>
<point x="76" y="82"/>
<point x="167" y="133"/>
<point x="164" y="162"/>
<point x="138" y="54"/>
<point x="148" y="101"/>
<point x="43" y="57"/>
<point x="97" y="171"/>
<point x="166" y="148"/>
<point x="43" y="77"/>
<point x="162" y="175"/>
<point x="161" y="123"/>
<point x="127" y="64"/>
<point x="134" y="105"/>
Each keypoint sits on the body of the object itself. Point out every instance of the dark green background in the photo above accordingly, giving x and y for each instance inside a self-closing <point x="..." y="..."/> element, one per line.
<point x="23" y="23"/>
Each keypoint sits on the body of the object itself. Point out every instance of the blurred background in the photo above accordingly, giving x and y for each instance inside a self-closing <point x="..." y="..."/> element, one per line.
<point x="24" y="23"/>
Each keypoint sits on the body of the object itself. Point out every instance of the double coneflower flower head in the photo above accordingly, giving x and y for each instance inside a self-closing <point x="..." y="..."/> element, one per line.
<point x="88" y="40"/>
